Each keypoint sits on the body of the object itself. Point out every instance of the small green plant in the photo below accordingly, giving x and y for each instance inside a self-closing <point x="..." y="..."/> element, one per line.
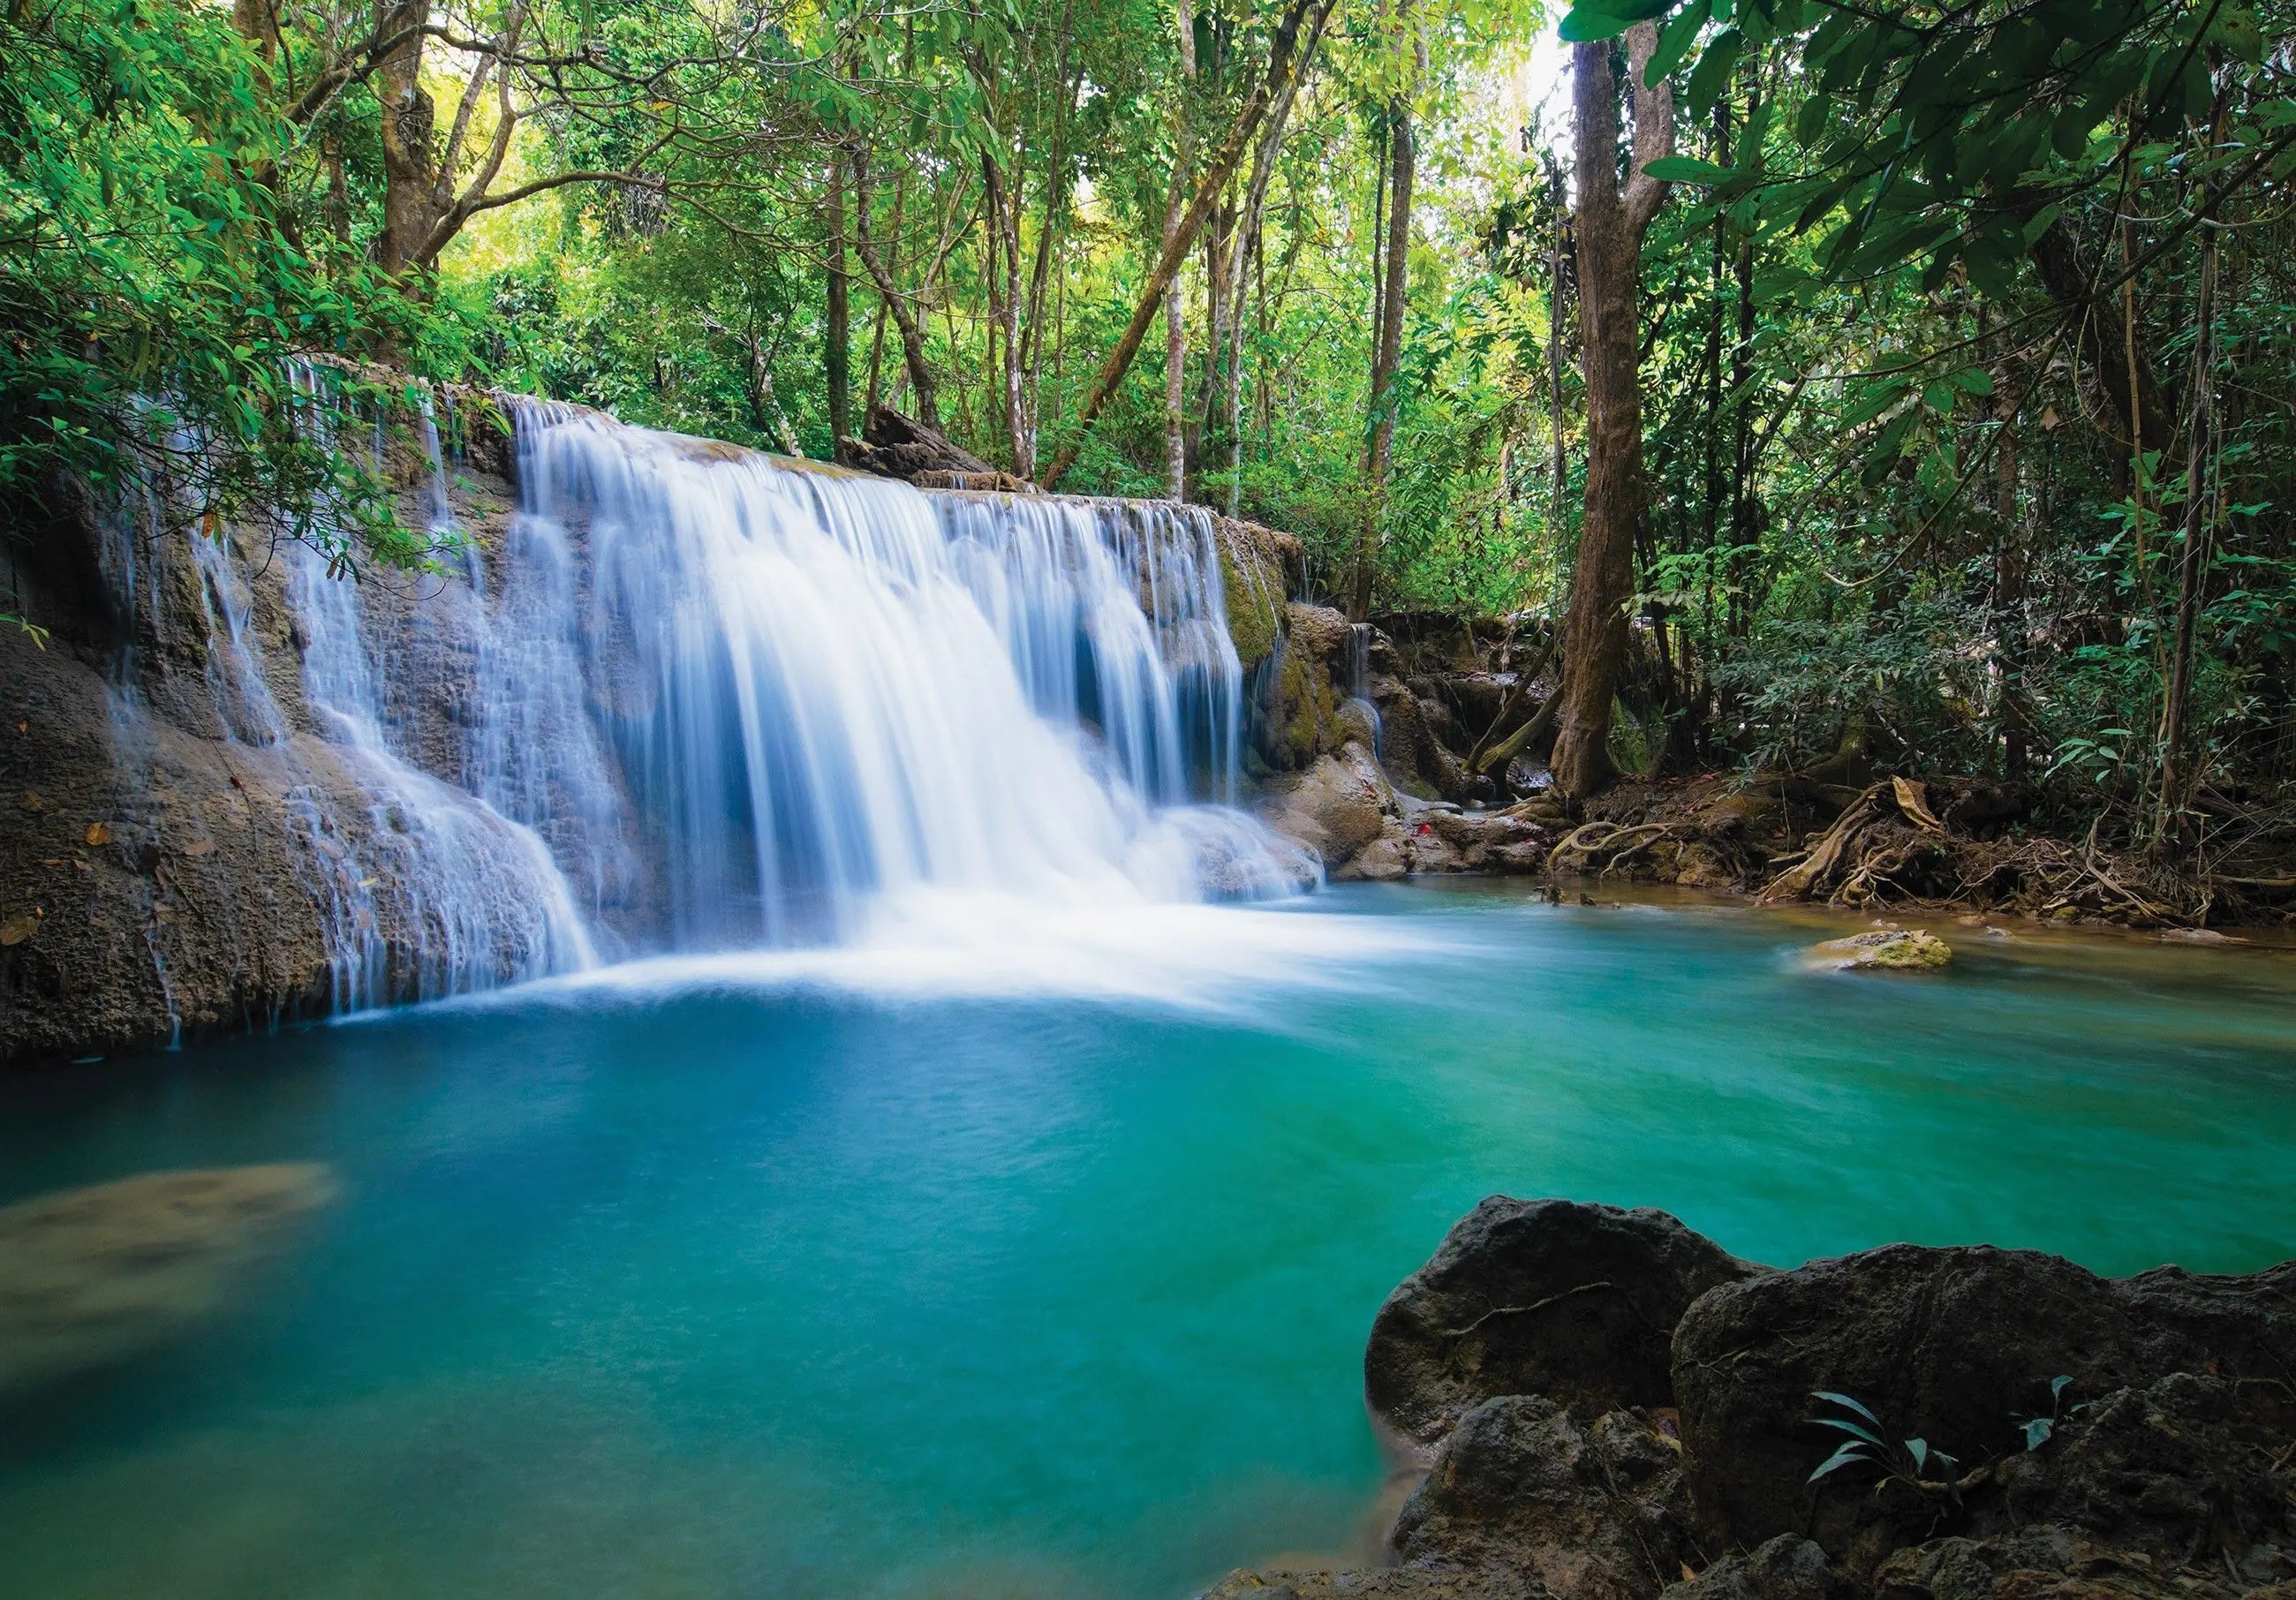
<point x="2038" y="1429"/>
<point x="1911" y="1462"/>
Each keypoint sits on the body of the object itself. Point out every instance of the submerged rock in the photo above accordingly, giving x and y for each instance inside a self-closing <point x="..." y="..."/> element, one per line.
<point x="1887" y="950"/>
<point x="91" y="1277"/>
<point x="1573" y="1301"/>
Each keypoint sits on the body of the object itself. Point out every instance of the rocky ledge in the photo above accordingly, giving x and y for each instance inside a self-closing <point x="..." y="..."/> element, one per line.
<point x="1608" y="1407"/>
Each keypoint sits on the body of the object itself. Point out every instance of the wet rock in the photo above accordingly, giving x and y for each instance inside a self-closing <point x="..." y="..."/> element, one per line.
<point x="1492" y="842"/>
<point x="1337" y="807"/>
<point x="90" y="1276"/>
<point x="1309" y="691"/>
<point x="1952" y="1346"/>
<point x="1788" y="1567"/>
<point x="1887" y="950"/>
<point x="2038" y="1562"/>
<point x="1384" y="860"/>
<point x="1583" y="1512"/>
<point x="1371" y="1583"/>
<point x="1573" y="1301"/>
<point x="2185" y="1465"/>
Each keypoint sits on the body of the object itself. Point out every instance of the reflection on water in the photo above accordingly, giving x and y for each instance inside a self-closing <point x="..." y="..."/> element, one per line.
<point x="1013" y="1258"/>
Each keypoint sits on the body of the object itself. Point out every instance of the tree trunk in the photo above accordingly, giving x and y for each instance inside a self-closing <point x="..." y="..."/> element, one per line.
<point x="1561" y="464"/>
<point x="1285" y="55"/>
<point x="913" y="341"/>
<point x="1610" y="224"/>
<point x="2192" y="567"/>
<point x="837" y="333"/>
<point x="1387" y="358"/>
<point x="1176" y="347"/>
<point x="408" y="118"/>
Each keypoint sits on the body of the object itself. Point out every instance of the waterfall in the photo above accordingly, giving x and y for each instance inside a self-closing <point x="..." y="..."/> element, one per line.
<point x="825" y="692"/>
<point x="684" y="698"/>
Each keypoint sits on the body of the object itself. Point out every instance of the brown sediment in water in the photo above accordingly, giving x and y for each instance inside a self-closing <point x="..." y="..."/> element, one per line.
<point x="93" y="1276"/>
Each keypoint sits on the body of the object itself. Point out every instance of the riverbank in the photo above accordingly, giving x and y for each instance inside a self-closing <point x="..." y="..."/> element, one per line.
<point x="1607" y="1405"/>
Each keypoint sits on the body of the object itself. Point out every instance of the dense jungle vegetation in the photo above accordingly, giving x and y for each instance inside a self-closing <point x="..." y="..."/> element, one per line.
<point x="1900" y="384"/>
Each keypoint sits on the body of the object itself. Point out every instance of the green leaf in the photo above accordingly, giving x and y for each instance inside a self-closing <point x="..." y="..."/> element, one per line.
<point x="2037" y="1430"/>
<point x="1712" y="74"/>
<point x="1594" y="20"/>
<point x="1688" y="170"/>
<point x="1674" y="43"/>
<point x="1846" y="1403"/>
<point x="1848" y="1455"/>
<point x="1847" y="1426"/>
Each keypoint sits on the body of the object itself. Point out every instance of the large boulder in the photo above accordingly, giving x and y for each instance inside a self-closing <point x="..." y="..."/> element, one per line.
<point x="1954" y="1347"/>
<point x="91" y="1277"/>
<point x="1573" y="1511"/>
<point x="1558" y="1298"/>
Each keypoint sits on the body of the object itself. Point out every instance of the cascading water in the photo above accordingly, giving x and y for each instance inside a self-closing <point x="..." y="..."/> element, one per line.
<point x="827" y="692"/>
<point x="1359" y="637"/>
<point x="689" y="699"/>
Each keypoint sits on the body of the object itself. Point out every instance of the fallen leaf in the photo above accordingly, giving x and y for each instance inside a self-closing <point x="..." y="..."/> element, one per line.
<point x="200" y="847"/>
<point x="33" y="803"/>
<point x="16" y="930"/>
<point x="99" y="832"/>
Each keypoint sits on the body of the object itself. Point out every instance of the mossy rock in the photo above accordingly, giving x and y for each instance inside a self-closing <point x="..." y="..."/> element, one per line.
<point x="1889" y="950"/>
<point x="1254" y="596"/>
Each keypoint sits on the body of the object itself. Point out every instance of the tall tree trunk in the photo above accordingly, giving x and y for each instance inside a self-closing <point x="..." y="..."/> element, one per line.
<point x="904" y="316"/>
<point x="2192" y="567"/>
<point x="2009" y="570"/>
<point x="407" y="126"/>
<point x="1394" y="281"/>
<point x="837" y="333"/>
<point x="1285" y="55"/>
<point x="1176" y="294"/>
<point x="1559" y="467"/>
<point x="1609" y="224"/>
<point x="1250" y="236"/>
<point x="1175" y="349"/>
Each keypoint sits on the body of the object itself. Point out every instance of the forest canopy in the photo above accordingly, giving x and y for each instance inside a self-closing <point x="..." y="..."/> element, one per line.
<point x="1908" y="385"/>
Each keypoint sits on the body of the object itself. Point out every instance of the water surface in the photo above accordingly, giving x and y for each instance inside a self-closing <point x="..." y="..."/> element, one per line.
<point x="1001" y="1258"/>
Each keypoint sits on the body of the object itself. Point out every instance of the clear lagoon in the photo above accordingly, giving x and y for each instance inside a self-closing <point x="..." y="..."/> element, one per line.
<point x="1018" y="1256"/>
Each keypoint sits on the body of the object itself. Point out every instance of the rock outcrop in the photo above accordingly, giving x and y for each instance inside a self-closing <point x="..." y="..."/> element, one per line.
<point x="1886" y="950"/>
<point x="1575" y="1303"/>
<point x="1619" y="1410"/>
<point x="1952" y="1346"/>
<point x="1524" y="1492"/>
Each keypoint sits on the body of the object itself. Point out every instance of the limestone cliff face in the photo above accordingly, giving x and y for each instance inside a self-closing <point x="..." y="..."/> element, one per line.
<point x="190" y="844"/>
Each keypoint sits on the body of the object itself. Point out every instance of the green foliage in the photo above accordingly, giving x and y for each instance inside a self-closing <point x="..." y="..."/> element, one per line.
<point x="1910" y="1462"/>
<point x="152" y="286"/>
